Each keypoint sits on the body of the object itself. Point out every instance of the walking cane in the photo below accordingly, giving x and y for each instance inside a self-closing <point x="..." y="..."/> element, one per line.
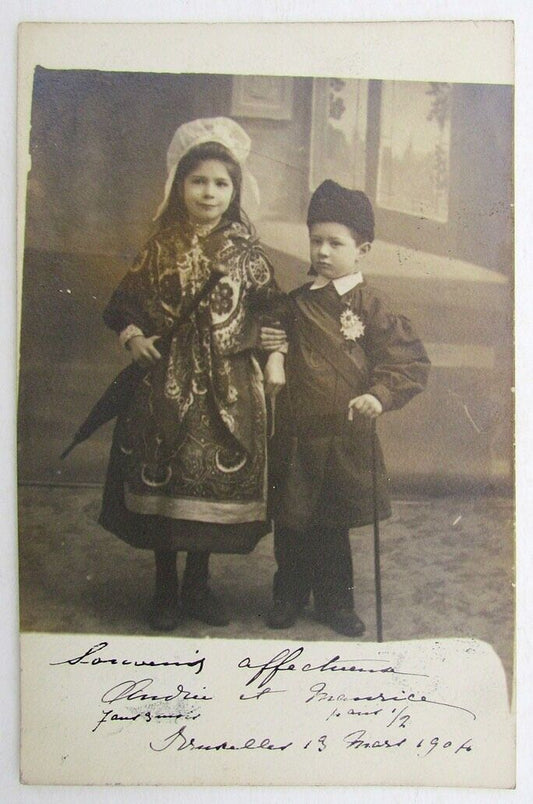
<point x="377" y="567"/>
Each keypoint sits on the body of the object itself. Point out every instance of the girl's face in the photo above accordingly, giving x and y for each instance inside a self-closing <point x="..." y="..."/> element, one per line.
<point x="334" y="252"/>
<point x="207" y="192"/>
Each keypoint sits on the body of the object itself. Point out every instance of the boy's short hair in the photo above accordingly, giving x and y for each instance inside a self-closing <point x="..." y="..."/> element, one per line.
<point x="332" y="203"/>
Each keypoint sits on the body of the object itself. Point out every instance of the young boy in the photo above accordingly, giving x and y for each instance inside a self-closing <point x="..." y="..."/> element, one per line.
<point x="349" y="359"/>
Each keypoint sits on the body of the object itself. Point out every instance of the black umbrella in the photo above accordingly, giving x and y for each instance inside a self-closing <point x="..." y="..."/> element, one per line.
<point x="117" y="396"/>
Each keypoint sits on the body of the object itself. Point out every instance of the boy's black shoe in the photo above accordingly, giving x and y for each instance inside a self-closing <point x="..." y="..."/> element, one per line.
<point x="164" y="613"/>
<point x="343" y="621"/>
<point x="283" y="614"/>
<point x="206" y="607"/>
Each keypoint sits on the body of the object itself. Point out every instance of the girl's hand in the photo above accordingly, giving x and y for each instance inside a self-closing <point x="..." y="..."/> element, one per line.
<point x="272" y="340"/>
<point x="143" y="350"/>
<point x="274" y="374"/>
<point x="366" y="405"/>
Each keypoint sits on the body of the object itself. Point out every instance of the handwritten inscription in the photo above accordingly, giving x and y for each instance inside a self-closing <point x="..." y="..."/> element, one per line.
<point x="181" y="741"/>
<point x="319" y="693"/>
<point x="366" y="705"/>
<point x="136" y="691"/>
<point x="89" y="657"/>
<point x="110" y="716"/>
<point x="285" y="661"/>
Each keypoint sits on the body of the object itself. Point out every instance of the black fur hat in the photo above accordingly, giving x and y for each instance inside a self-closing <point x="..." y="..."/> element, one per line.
<point x="332" y="203"/>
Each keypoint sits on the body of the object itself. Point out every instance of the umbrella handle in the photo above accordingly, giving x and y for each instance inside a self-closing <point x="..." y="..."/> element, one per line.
<point x="189" y="308"/>
<point x="192" y="305"/>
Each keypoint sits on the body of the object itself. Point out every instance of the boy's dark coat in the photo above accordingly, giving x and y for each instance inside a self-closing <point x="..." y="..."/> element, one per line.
<point x="321" y="462"/>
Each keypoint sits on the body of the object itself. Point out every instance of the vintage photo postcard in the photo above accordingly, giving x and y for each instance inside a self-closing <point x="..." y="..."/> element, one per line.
<point x="265" y="404"/>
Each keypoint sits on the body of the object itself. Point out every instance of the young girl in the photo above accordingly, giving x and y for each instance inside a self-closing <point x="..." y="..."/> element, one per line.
<point x="187" y="466"/>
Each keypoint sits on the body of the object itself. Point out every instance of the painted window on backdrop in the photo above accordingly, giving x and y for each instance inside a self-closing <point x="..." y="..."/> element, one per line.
<point x="414" y="149"/>
<point x="338" y="135"/>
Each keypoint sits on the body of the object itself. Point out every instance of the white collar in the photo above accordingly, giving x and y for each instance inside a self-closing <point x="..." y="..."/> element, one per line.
<point x="342" y="284"/>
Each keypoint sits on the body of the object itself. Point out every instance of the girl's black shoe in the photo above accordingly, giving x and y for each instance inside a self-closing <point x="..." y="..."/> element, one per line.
<point x="164" y="614"/>
<point x="206" y="607"/>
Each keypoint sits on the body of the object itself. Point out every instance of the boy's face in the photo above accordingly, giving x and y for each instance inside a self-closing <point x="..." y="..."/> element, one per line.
<point x="334" y="252"/>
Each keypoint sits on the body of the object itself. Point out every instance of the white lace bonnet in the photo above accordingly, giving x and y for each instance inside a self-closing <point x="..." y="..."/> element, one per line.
<point x="208" y="129"/>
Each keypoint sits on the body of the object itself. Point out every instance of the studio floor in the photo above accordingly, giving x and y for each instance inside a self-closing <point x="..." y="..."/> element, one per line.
<point x="447" y="571"/>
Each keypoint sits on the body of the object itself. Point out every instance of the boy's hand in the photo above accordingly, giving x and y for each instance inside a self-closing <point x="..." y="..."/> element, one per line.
<point x="143" y="350"/>
<point x="366" y="405"/>
<point x="272" y="339"/>
<point x="274" y="374"/>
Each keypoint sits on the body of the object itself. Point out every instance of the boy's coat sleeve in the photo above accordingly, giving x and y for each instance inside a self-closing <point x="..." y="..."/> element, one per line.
<point x="399" y="365"/>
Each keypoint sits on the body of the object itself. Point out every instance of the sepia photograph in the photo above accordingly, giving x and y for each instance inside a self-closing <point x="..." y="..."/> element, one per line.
<point x="266" y="373"/>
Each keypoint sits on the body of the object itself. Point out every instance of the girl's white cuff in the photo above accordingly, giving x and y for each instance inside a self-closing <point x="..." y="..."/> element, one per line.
<point x="127" y="334"/>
